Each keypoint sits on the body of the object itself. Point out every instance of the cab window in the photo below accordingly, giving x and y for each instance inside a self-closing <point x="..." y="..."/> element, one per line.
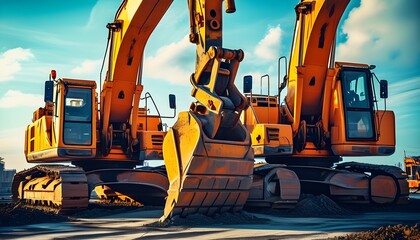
<point x="78" y="116"/>
<point x="358" y="107"/>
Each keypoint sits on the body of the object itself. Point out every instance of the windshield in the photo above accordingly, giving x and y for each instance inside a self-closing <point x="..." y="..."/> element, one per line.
<point x="356" y="89"/>
<point x="358" y="107"/>
<point x="78" y="116"/>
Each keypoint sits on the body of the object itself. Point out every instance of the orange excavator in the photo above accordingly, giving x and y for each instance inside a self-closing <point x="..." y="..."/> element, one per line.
<point x="330" y="111"/>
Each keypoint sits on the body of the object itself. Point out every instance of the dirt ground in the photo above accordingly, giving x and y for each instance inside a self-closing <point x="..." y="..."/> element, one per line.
<point x="315" y="217"/>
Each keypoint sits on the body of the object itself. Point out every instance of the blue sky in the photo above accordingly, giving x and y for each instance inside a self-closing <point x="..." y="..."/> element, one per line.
<point x="70" y="37"/>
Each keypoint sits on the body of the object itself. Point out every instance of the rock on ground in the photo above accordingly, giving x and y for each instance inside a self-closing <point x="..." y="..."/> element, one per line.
<point x="396" y="232"/>
<point x="318" y="206"/>
<point x="16" y="214"/>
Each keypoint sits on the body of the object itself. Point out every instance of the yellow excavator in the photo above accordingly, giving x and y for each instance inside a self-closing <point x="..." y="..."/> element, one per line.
<point x="329" y="111"/>
<point x="103" y="145"/>
<point x="412" y="168"/>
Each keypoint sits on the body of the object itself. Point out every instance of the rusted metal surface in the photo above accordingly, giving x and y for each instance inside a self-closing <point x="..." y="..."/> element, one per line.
<point x="388" y="184"/>
<point x="274" y="186"/>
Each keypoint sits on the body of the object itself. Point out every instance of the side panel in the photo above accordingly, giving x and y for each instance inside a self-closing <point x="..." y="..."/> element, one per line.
<point x="38" y="137"/>
<point x="383" y="146"/>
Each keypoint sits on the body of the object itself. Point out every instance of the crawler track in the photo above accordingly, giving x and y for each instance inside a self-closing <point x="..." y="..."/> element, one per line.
<point x="378" y="175"/>
<point x="59" y="187"/>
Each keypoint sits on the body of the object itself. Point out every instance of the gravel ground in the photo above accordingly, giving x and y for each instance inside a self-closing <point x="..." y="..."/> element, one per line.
<point x="313" y="206"/>
<point x="197" y="220"/>
<point x="19" y="214"/>
<point x="396" y="232"/>
<point x="16" y="215"/>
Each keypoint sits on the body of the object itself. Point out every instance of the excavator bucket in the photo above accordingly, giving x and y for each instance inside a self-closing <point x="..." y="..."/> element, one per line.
<point x="206" y="175"/>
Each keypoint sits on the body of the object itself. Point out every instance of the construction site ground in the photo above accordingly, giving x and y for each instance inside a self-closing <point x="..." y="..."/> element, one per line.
<point x="314" y="217"/>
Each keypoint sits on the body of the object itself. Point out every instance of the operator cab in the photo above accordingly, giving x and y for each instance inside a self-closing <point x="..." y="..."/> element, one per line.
<point x="358" y="103"/>
<point x="359" y="128"/>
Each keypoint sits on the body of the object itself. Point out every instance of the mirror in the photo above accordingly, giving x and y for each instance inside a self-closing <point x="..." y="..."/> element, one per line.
<point x="247" y="84"/>
<point x="172" y="101"/>
<point x="384" y="88"/>
<point x="49" y="91"/>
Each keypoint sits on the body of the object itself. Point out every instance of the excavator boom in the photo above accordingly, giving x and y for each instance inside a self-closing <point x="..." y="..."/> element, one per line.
<point x="134" y="23"/>
<point x="314" y="40"/>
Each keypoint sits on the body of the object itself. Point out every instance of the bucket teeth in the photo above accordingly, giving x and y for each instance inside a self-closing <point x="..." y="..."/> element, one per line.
<point x="206" y="176"/>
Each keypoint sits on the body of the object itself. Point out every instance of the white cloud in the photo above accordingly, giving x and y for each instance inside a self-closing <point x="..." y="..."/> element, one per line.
<point x="382" y="32"/>
<point x="405" y="85"/>
<point x="10" y="62"/>
<point x="174" y="62"/>
<point x="269" y="47"/>
<point x="404" y="93"/>
<point x="87" y="67"/>
<point x="13" y="98"/>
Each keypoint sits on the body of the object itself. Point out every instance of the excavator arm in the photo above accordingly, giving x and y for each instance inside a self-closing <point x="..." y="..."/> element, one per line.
<point x="207" y="152"/>
<point x="216" y="67"/>
<point x="309" y="81"/>
<point x="134" y="22"/>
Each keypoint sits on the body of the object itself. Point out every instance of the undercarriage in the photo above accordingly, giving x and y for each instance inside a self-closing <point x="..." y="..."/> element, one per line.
<point x="67" y="189"/>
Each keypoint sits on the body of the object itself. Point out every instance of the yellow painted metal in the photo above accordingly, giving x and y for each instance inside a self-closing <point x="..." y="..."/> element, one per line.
<point x="412" y="168"/>
<point x="206" y="175"/>
<point x="62" y="188"/>
<point x="134" y="23"/>
<point x="138" y="19"/>
<point x="151" y="143"/>
<point x="207" y="153"/>
<point x="315" y="95"/>
<point x="262" y="120"/>
<point x="272" y="139"/>
<point x="106" y="193"/>
<point x="315" y="31"/>
<point x="44" y="136"/>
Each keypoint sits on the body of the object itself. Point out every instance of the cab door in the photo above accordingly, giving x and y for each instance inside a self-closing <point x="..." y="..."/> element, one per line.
<point x="358" y="104"/>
